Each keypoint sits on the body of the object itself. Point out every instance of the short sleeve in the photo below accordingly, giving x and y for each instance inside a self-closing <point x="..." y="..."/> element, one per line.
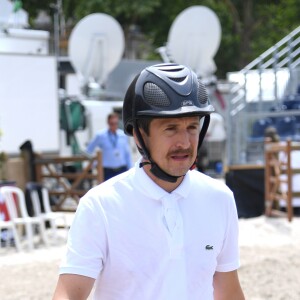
<point x="87" y="240"/>
<point x="228" y="259"/>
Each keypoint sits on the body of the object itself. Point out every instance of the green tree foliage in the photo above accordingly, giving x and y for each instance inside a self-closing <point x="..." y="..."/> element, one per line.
<point x="126" y="12"/>
<point x="249" y="27"/>
<point x="33" y="7"/>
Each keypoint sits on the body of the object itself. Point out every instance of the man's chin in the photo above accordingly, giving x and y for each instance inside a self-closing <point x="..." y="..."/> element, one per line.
<point x="178" y="172"/>
<point x="178" y="168"/>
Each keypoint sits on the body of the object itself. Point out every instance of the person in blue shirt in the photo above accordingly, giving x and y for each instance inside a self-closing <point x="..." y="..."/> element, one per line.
<point x="115" y="147"/>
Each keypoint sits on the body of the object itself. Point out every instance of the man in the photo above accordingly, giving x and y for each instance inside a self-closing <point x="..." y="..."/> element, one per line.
<point x="115" y="148"/>
<point x="160" y="230"/>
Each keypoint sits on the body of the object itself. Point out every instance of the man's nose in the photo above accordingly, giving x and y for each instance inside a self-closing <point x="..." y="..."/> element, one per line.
<point x="183" y="139"/>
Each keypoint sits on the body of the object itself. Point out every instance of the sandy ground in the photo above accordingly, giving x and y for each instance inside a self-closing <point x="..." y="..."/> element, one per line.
<point x="270" y="263"/>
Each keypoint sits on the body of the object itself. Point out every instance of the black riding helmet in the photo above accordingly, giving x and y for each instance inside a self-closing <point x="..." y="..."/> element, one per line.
<point x="162" y="91"/>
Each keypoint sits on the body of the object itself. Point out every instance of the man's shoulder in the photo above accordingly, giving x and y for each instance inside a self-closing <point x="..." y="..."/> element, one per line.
<point x="203" y="180"/>
<point x="111" y="194"/>
<point x="103" y="131"/>
<point x="100" y="133"/>
<point x="120" y="132"/>
<point x="112" y="185"/>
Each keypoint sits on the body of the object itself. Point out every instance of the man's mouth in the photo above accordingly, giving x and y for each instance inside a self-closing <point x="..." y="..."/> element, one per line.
<point x="179" y="157"/>
<point x="180" y="154"/>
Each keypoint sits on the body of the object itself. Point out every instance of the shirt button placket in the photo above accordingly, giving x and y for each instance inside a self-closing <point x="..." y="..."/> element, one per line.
<point x="173" y="223"/>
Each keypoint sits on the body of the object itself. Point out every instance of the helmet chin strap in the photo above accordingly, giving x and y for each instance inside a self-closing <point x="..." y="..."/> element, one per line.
<point x="155" y="169"/>
<point x="159" y="173"/>
<point x="203" y="131"/>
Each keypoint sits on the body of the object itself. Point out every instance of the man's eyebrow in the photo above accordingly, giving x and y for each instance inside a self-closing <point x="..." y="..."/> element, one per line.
<point x="195" y="123"/>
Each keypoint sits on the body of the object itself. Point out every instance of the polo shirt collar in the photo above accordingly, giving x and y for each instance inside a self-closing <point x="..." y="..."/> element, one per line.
<point x="148" y="187"/>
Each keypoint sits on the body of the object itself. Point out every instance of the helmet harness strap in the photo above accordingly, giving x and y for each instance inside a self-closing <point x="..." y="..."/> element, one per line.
<point x="201" y="136"/>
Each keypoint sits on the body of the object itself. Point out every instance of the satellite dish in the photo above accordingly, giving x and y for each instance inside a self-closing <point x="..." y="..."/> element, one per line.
<point x="10" y="18"/>
<point x="194" y="39"/>
<point x="96" y="46"/>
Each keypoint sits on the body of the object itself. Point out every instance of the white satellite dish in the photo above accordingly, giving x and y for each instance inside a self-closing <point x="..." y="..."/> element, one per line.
<point x="11" y="19"/>
<point x="96" y="46"/>
<point x="194" y="39"/>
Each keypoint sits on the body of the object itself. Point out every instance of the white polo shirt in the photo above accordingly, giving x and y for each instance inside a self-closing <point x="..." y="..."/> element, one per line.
<point x="142" y="243"/>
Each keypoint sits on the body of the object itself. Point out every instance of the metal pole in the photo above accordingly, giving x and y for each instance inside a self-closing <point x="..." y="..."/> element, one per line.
<point x="290" y="49"/>
<point x="275" y="69"/>
<point x="228" y="133"/>
<point x="56" y="15"/>
<point x="260" y="96"/>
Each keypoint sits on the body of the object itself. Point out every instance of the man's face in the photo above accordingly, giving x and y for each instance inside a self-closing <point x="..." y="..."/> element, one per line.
<point x="113" y="123"/>
<point x="173" y="142"/>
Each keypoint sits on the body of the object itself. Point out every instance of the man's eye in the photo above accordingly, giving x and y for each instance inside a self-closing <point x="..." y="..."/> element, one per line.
<point x="170" y="128"/>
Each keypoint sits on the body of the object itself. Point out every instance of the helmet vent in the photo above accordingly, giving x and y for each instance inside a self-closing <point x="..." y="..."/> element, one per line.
<point x="155" y="96"/>
<point x="202" y="93"/>
<point x="180" y="79"/>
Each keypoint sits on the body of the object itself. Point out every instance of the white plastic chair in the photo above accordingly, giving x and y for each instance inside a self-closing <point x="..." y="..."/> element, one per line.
<point x="10" y="226"/>
<point x="48" y="214"/>
<point x="17" y="211"/>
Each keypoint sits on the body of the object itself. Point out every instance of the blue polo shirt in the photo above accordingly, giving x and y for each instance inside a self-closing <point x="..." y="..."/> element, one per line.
<point x="115" y="148"/>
